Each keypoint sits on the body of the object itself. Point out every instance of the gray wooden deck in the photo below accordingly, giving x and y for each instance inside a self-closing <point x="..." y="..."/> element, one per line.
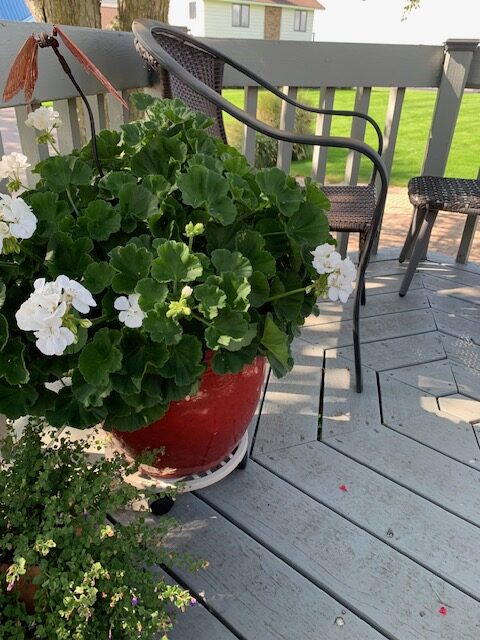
<point x="364" y="524"/>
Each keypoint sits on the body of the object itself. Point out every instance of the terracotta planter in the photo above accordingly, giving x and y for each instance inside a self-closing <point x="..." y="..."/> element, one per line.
<point x="197" y="433"/>
<point x="24" y="586"/>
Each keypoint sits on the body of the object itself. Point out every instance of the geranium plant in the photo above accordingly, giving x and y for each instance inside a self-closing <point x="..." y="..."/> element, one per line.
<point x="91" y="579"/>
<point x="118" y="282"/>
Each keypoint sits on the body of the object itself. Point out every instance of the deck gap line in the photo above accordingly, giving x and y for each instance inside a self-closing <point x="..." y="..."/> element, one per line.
<point x="376" y="315"/>
<point x="320" y="397"/>
<point x="173" y="574"/>
<point x="260" y="409"/>
<point x="475" y="434"/>
<point x="370" y="533"/>
<point x="401" y="484"/>
<point x="448" y="295"/>
<point x="446" y="332"/>
<point x="305" y="574"/>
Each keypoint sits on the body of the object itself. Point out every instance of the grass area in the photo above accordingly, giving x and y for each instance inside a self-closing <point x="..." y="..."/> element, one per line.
<point x="412" y="139"/>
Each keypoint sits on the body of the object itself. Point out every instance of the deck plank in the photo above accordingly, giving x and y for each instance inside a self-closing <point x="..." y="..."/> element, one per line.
<point x="462" y="352"/>
<point x="424" y="471"/>
<point x="469" y="293"/>
<point x="390" y="283"/>
<point x="259" y="595"/>
<point x="435" y="378"/>
<point x="393" y="514"/>
<point x="382" y="585"/>
<point x="457" y="326"/>
<point x="453" y="306"/>
<point x="468" y="380"/>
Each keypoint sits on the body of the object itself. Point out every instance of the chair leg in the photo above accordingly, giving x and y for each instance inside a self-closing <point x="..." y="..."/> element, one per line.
<point x="420" y="248"/>
<point x="356" y="332"/>
<point x="413" y="231"/>
<point x="361" y="247"/>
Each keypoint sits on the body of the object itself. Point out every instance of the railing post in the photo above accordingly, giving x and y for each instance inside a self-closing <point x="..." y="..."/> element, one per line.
<point x="250" y="135"/>
<point x="287" y="123"/>
<point x="458" y="58"/>
<point x="322" y="128"/>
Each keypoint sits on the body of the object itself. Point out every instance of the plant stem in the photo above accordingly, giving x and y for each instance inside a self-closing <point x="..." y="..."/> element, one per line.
<point x="285" y="294"/>
<point x="54" y="147"/>
<point x="190" y="244"/>
<point x="69" y="196"/>
<point x="200" y="319"/>
<point x="274" y="233"/>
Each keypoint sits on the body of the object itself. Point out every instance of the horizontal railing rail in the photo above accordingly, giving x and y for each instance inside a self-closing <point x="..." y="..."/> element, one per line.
<point x="448" y="69"/>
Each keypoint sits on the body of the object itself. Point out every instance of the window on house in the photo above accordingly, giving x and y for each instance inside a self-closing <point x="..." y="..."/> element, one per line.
<point x="240" y="15"/>
<point x="300" y="21"/>
<point x="192" y="10"/>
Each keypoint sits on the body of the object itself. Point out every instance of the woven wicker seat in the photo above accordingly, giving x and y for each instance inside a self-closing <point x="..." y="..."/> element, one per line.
<point x="429" y="195"/>
<point x="192" y="70"/>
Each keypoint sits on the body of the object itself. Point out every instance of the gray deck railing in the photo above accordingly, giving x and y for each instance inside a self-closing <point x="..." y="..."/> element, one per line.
<point x="291" y="65"/>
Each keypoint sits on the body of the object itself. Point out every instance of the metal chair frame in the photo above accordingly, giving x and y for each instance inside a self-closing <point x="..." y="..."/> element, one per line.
<point x="156" y="56"/>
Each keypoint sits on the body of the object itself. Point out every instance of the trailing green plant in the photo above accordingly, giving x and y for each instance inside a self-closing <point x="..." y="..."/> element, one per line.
<point x="116" y="286"/>
<point x="93" y="580"/>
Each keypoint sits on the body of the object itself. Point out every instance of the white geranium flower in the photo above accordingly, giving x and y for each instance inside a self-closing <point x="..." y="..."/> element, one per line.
<point x="340" y="282"/>
<point x="54" y="339"/>
<point x="43" y="119"/>
<point x="325" y="259"/>
<point x="130" y="313"/>
<point x="40" y="311"/>
<point x="75" y="294"/>
<point x="16" y="212"/>
<point x="186" y="291"/>
<point x="12" y="164"/>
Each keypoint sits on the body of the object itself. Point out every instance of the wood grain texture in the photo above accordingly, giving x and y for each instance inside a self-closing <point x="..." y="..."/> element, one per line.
<point x="459" y="405"/>
<point x="382" y="585"/>
<point x="435" y="378"/>
<point x="395" y="515"/>
<point x="468" y="380"/>
<point x="457" y="326"/>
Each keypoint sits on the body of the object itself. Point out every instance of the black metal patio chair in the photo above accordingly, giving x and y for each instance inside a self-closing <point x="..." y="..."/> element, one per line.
<point x="429" y="195"/>
<point x="191" y="70"/>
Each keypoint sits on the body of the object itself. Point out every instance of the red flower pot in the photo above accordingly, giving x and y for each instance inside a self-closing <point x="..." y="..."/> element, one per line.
<point x="197" y="433"/>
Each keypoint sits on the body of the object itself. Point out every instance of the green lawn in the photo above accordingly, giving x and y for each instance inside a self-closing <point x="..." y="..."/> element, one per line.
<point x="464" y="160"/>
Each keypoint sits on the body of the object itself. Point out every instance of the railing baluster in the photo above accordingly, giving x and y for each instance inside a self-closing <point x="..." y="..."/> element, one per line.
<point x="322" y="128"/>
<point x="28" y="141"/>
<point x="250" y="135"/>
<point x="468" y="234"/>
<point x="287" y="122"/>
<point x="115" y="111"/>
<point x="392" y="123"/>
<point x="102" y="112"/>
<point x="68" y="135"/>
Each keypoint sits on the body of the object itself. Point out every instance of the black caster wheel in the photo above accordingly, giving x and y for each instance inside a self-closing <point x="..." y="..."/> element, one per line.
<point x="161" y="505"/>
<point x="244" y="462"/>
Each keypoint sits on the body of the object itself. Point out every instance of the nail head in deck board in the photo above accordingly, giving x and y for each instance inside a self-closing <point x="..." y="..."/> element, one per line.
<point x="461" y="406"/>
<point x="433" y="377"/>
<point x="430" y="474"/>
<point x="399" y="352"/>
<point x="378" y="305"/>
<point x="344" y="410"/>
<point x="400" y="400"/>
<point x="384" y="508"/>
<point x="393" y="325"/>
<point x="260" y="596"/>
<point x="381" y="584"/>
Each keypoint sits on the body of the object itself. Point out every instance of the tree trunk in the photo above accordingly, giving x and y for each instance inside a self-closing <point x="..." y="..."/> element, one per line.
<point x="84" y="13"/>
<point x="128" y="10"/>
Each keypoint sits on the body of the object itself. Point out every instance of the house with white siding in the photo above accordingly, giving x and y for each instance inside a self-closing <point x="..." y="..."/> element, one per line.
<point x="260" y="19"/>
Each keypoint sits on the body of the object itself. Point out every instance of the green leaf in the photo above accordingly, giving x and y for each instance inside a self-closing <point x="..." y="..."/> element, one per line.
<point x="67" y="256"/>
<point x="241" y="191"/>
<point x="132" y="133"/>
<point x="251" y="244"/>
<point x="237" y="290"/>
<point x="114" y="181"/>
<point x="68" y="410"/>
<point x="4" y="332"/>
<point x="233" y="361"/>
<point x="128" y="420"/>
<point x="227" y="327"/>
<point x="98" y="276"/>
<point x="52" y="214"/>
<point x="139" y="355"/>
<point x="309" y="225"/>
<point x="288" y="308"/>
<point x="211" y="299"/>
<point x="201" y="187"/>
<point x="161" y="155"/>
<point x="12" y="362"/>
<point x="273" y="231"/>
<point x="3" y="291"/>
<point x="88" y="395"/>
<point x="277" y="346"/>
<point x="315" y="195"/>
<point x="161" y="328"/>
<point x="260" y="289"/>
<point x="141" y="100"/>
<point x="211" y="162"/>
<point x="135" y="202"/>
<point x="175" y="263"/>
<point x="185" y="364"/>
<point x="101" y="357"/>
<point x="60" y="172"/>
<point x="157" y="185"/>
<point x="225" y="260"/>
<point x="151" y="293"/>
<point x="280" y="190"/>
<point x="131" y="264"/>
<point x="15" y="401"/>
<point x="101" y="220"/>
